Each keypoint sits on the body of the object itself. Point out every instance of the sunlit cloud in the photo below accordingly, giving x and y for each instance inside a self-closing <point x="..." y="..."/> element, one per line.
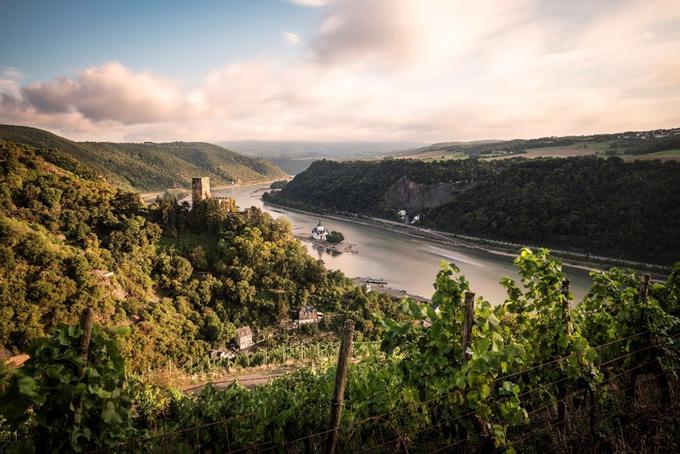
<point x="397" y="70"/>
<point x="292" y="39"/>
<point x="310" y="3"/>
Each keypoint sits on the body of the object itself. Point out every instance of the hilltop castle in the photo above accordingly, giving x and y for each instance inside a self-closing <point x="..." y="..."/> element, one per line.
<point x="200" y="190"/>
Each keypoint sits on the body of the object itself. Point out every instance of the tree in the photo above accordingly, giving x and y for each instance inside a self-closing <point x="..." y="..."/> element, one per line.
<point x="335" y="237"/>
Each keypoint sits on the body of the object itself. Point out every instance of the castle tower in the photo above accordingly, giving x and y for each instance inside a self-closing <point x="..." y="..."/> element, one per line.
<point x="200" y="189"/>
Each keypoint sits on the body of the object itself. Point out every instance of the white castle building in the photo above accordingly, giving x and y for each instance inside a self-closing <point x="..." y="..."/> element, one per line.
<point x="319" y="232"/>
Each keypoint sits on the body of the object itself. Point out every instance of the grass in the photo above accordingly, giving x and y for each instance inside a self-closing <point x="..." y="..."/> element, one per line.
<point x="581" y="149"/>
<point x="668" y="155"/>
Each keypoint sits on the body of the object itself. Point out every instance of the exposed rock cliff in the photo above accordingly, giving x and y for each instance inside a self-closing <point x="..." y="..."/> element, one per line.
<point x="408" y="194"/>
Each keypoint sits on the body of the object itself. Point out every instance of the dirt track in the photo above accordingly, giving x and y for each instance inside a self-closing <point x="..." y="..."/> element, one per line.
<point x="247" y="380"/>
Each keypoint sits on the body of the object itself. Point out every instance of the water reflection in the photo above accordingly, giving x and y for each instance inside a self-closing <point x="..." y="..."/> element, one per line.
<point x="404" y="262"/>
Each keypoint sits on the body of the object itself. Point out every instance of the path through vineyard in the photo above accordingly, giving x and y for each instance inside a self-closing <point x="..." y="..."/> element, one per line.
<point x="248" y="378"/>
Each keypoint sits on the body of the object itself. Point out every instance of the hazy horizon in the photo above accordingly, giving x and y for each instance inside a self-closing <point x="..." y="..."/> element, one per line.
<point x="340" y="70"/>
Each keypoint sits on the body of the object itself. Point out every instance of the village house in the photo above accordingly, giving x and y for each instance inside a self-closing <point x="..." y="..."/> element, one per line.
<point x="319" y="232"/>
<point x="306" y="315"/>
<point x="244" y="337"/>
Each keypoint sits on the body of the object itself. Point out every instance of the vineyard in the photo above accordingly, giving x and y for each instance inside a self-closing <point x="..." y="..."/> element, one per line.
<point x="537" y="373"/>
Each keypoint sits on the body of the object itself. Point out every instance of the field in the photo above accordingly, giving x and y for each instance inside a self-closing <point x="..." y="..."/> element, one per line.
<point x="436" y="155"/>
<point x="565" y="151"/>
<point x="668" y="155"/>
<point x="560" y="151"/>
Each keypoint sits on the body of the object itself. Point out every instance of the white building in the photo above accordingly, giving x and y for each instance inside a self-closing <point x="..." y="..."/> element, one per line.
<point x="244" y="337"/>
<point x="319" y="232"/>
<point x="306" y="315"/>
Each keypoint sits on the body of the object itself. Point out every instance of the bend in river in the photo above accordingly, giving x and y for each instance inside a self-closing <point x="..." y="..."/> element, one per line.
<point x="404" y="262"/>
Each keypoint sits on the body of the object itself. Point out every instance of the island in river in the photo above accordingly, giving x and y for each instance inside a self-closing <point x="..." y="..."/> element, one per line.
<point x="406" y="263"/>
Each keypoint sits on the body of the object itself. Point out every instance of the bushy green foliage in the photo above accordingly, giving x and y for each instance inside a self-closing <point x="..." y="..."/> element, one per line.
<point x="422" y="386"/>
<point x="598" y="206"/>
<point x="279" y="184"/>
<point x="60" y="402"/>
<point x="335" y="237"/>
<point x="523" y="354"/>
<point x="180" y="278"/>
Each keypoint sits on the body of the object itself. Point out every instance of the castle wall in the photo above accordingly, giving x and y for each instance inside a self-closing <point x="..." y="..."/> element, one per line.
<point x="200" y="188"/>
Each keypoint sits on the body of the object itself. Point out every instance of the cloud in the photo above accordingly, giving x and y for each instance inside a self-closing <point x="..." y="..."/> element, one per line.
<point x="292" y="39"/>
<point x="11" y="72"/>
<point x="398" y="69"/>
<point x="310" y="3"/>
<point x="108" y="92"/>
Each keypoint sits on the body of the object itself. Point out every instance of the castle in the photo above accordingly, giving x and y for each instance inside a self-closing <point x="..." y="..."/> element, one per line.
<point x="200" y="190"/>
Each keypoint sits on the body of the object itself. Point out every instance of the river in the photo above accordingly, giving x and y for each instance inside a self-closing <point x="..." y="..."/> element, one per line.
<point x="404" y="262"/>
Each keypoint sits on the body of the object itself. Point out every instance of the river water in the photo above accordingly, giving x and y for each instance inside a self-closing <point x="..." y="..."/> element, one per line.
<point x="404" y="262"/>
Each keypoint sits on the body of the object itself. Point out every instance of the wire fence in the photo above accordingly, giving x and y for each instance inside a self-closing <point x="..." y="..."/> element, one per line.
<point x="439" y="425"/>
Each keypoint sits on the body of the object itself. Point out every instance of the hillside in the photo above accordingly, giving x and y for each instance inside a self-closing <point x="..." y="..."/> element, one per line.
<point x="627" y="210"/>
<point x="179" y="279"/>
<point x="147" y="166"/>
<point x="166" y="285"/>
<point x="629" y="145"/>
<point x="296" y="156"/>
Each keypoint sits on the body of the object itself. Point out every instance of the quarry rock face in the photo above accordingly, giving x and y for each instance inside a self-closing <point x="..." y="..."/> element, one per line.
<point x="407" y="194"/>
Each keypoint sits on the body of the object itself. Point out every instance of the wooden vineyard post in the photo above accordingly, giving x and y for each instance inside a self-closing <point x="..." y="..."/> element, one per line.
<point x="644" y="295"/>
<point x="86" y="319"/>
<point x="661" y="378"/>
<point x="468" y="323"/>
<point x="592" y="413"/>
<point x="339" y="392"/>
<point x="562" y="416"/>
<point x="486" y="442"/>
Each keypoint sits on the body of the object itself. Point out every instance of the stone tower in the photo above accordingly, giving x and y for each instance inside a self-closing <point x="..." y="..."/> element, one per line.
<point x="200" y="189"/>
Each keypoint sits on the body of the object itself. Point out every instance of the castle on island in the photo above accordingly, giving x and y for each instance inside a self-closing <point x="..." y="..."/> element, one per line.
<point x="320" y="232"/>
<point x="200" y="190"/>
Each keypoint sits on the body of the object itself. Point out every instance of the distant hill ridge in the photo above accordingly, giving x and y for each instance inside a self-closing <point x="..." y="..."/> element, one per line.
<point x="145" y="166"/>
<point x="631" y="143"/>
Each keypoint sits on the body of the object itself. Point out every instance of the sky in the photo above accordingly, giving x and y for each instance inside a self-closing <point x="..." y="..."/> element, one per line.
<point x="336" y="70"/>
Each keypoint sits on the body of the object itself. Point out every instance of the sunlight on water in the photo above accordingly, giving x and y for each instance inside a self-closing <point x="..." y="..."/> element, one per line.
<point x="404" y="262"/>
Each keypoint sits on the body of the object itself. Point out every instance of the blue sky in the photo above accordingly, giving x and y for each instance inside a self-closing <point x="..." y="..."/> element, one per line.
<point x="396" y="70"/>
<point x="46" y="39"/>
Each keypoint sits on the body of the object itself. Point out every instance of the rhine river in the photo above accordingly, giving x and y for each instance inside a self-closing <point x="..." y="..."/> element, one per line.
<point x="404" y="262"/>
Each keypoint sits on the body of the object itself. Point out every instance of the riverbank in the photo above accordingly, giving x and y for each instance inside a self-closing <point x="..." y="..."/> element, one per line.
<point x="149" y="197"/>
<point x="397" y="294"/>
<point x="496" y="247"/>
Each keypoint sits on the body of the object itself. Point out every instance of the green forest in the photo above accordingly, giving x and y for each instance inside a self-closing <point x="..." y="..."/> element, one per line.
<point x="148" y="166"/>
<point x="608" y="207"/>
<point x="178" y="280"/>
<point x="168" y="282"/>
<point x="526" y="366"/>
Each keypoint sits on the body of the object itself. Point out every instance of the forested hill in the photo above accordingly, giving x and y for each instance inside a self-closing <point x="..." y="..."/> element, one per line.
<point x="602" y="206"/>
<point x="147" y="166"/>
<point x="178" y="280"/>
